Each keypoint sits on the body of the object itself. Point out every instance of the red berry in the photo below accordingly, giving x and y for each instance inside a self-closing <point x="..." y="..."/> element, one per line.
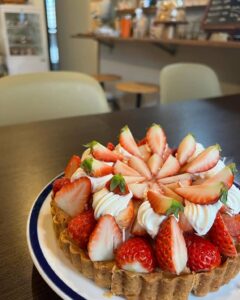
<point x="59" y="183"/>
<point x="81" y="227"/>
<point x="110" y="146"/>
<point x="202" y="254"/>
<point x="136" y="254"/>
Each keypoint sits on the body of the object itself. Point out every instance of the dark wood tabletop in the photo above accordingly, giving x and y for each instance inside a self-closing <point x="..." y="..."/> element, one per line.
<point x="32" y="154"/>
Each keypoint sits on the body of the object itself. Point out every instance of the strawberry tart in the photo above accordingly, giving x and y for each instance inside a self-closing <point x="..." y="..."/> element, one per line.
<point x="147" y="221"/>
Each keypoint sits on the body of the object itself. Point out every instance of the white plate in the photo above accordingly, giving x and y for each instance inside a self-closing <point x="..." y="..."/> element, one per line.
<point x="60" y="274"/>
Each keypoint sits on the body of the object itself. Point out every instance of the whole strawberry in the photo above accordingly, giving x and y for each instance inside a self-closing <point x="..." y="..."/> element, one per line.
<point x="136" y="255"/>
<point x="202" y="254"/>
<point x="81" y="227"/>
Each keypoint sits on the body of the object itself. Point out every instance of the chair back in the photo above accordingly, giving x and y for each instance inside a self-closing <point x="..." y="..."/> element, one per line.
<point x="188" y="81"/>
<point x="49" y="95"/>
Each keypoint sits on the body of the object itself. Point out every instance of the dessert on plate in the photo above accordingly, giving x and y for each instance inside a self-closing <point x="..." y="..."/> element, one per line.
<point x="147" y="221"/>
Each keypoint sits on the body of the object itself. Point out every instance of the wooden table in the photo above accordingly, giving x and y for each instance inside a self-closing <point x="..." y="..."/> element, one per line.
<point x="31" y="155"/>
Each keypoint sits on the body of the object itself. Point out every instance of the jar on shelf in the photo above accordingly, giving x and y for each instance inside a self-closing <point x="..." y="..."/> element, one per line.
<point x="140" y="24"/>
<point x="126" y="26"/>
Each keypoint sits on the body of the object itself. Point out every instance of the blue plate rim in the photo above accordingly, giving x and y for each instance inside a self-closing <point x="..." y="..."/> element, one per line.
<point x="39" y="260"/>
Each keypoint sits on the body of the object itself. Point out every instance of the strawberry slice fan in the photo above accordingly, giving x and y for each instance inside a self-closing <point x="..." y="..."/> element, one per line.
<point x="123" y="213"/>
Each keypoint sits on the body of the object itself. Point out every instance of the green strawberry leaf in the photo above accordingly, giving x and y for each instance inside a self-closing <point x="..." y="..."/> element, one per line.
<point x="175" y="208"/>
<point x="118" y="181"/>
<point x="224" y="195"/>
<point x="233" y="168"/>
<point x="87" y="165"/>
<point x="91" y="144"/>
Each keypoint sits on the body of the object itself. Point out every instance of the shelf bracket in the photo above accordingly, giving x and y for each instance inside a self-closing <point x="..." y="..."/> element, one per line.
<point x="171" y="49"/>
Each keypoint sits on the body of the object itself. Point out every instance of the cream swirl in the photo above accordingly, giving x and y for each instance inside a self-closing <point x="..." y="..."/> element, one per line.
<point x="97" y="182"/>
<point x="233" y="200"/>
<point x="201" y="217"/>
<point x="148" y="219"/>
<point x="105" y="202"/>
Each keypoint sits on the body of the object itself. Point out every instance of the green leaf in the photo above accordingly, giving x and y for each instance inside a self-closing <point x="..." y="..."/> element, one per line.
<point x="124" y="128"/>
<point x="224" y="195"/>
<point x="175" y="208"/>
<point x="233" y="168"/>
<point x="91" y="144"/>
<point x="118" y="181"/>
<point x="87" y="165"/>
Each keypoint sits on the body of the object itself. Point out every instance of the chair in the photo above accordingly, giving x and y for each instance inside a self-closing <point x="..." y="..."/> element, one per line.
<point x="42" y="96"/>
<point x="186" y="81"/>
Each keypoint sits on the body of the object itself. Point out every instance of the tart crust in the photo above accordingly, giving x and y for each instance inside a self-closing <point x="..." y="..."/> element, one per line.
<point x="141" y="286"/>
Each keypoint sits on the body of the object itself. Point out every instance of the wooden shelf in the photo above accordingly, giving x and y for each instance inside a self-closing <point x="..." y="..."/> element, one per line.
<point x="152" y="9"/>
<point x="171" y="22"/>
<point x="171" y="42"/>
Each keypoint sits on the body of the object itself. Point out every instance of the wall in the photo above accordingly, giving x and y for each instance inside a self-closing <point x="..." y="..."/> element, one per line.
<point x="143" y="62"/>
<point x="73" y="16"/>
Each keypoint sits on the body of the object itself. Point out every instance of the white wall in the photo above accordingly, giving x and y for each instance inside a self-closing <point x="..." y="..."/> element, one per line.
<point x="73" y="16"/>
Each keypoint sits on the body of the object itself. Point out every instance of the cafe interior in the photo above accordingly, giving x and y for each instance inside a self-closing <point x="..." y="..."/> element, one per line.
<point x="126" y="75"/>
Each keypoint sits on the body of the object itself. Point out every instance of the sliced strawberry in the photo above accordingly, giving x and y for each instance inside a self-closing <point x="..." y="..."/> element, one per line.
<point x="202" y="254"/>
<point x="124" y="169"/>
<point x="101" y="152"/>
<point x="203" y="194"/>
<point x="162" y="204"/>
<point x="127" y="141"/>
<point x="170" y="193"/>
<point x="74" y="196"/>
<point x="181" y="183"/>
<point x="184" y="223"/>
<point x="134" y="179"/>
<point x="168" y="151"/>
<point x="186" y="149"/>
<point x="176" y="178"/>
<point x="156" y="139"/>
<point x="142" y="142"/>
<point x="96" y="168"/>
<point x="110" y="146"/>
<point x="145" y="152"/>
<point x="205" y="161"/>
<point x="170" y="167"/>
<point x="140" y="166"/>
<point x="136" y="255"/>
<point x="125" y="218"/>
<point x="171" y="250"/>
<point x="105" y="238"/>
<point x="221" y="237"/>
<point x="154" y="163"/>
<point x="81" y="227"/>
<point x="226" y="175"/>
<point x="117" y="185"/>
<point x="232" y="223"/>
<point x="136" y="228"/>
<point x="59" y="183"/>
<point x="72" y="166"/>
<point x="139" y="190"/>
